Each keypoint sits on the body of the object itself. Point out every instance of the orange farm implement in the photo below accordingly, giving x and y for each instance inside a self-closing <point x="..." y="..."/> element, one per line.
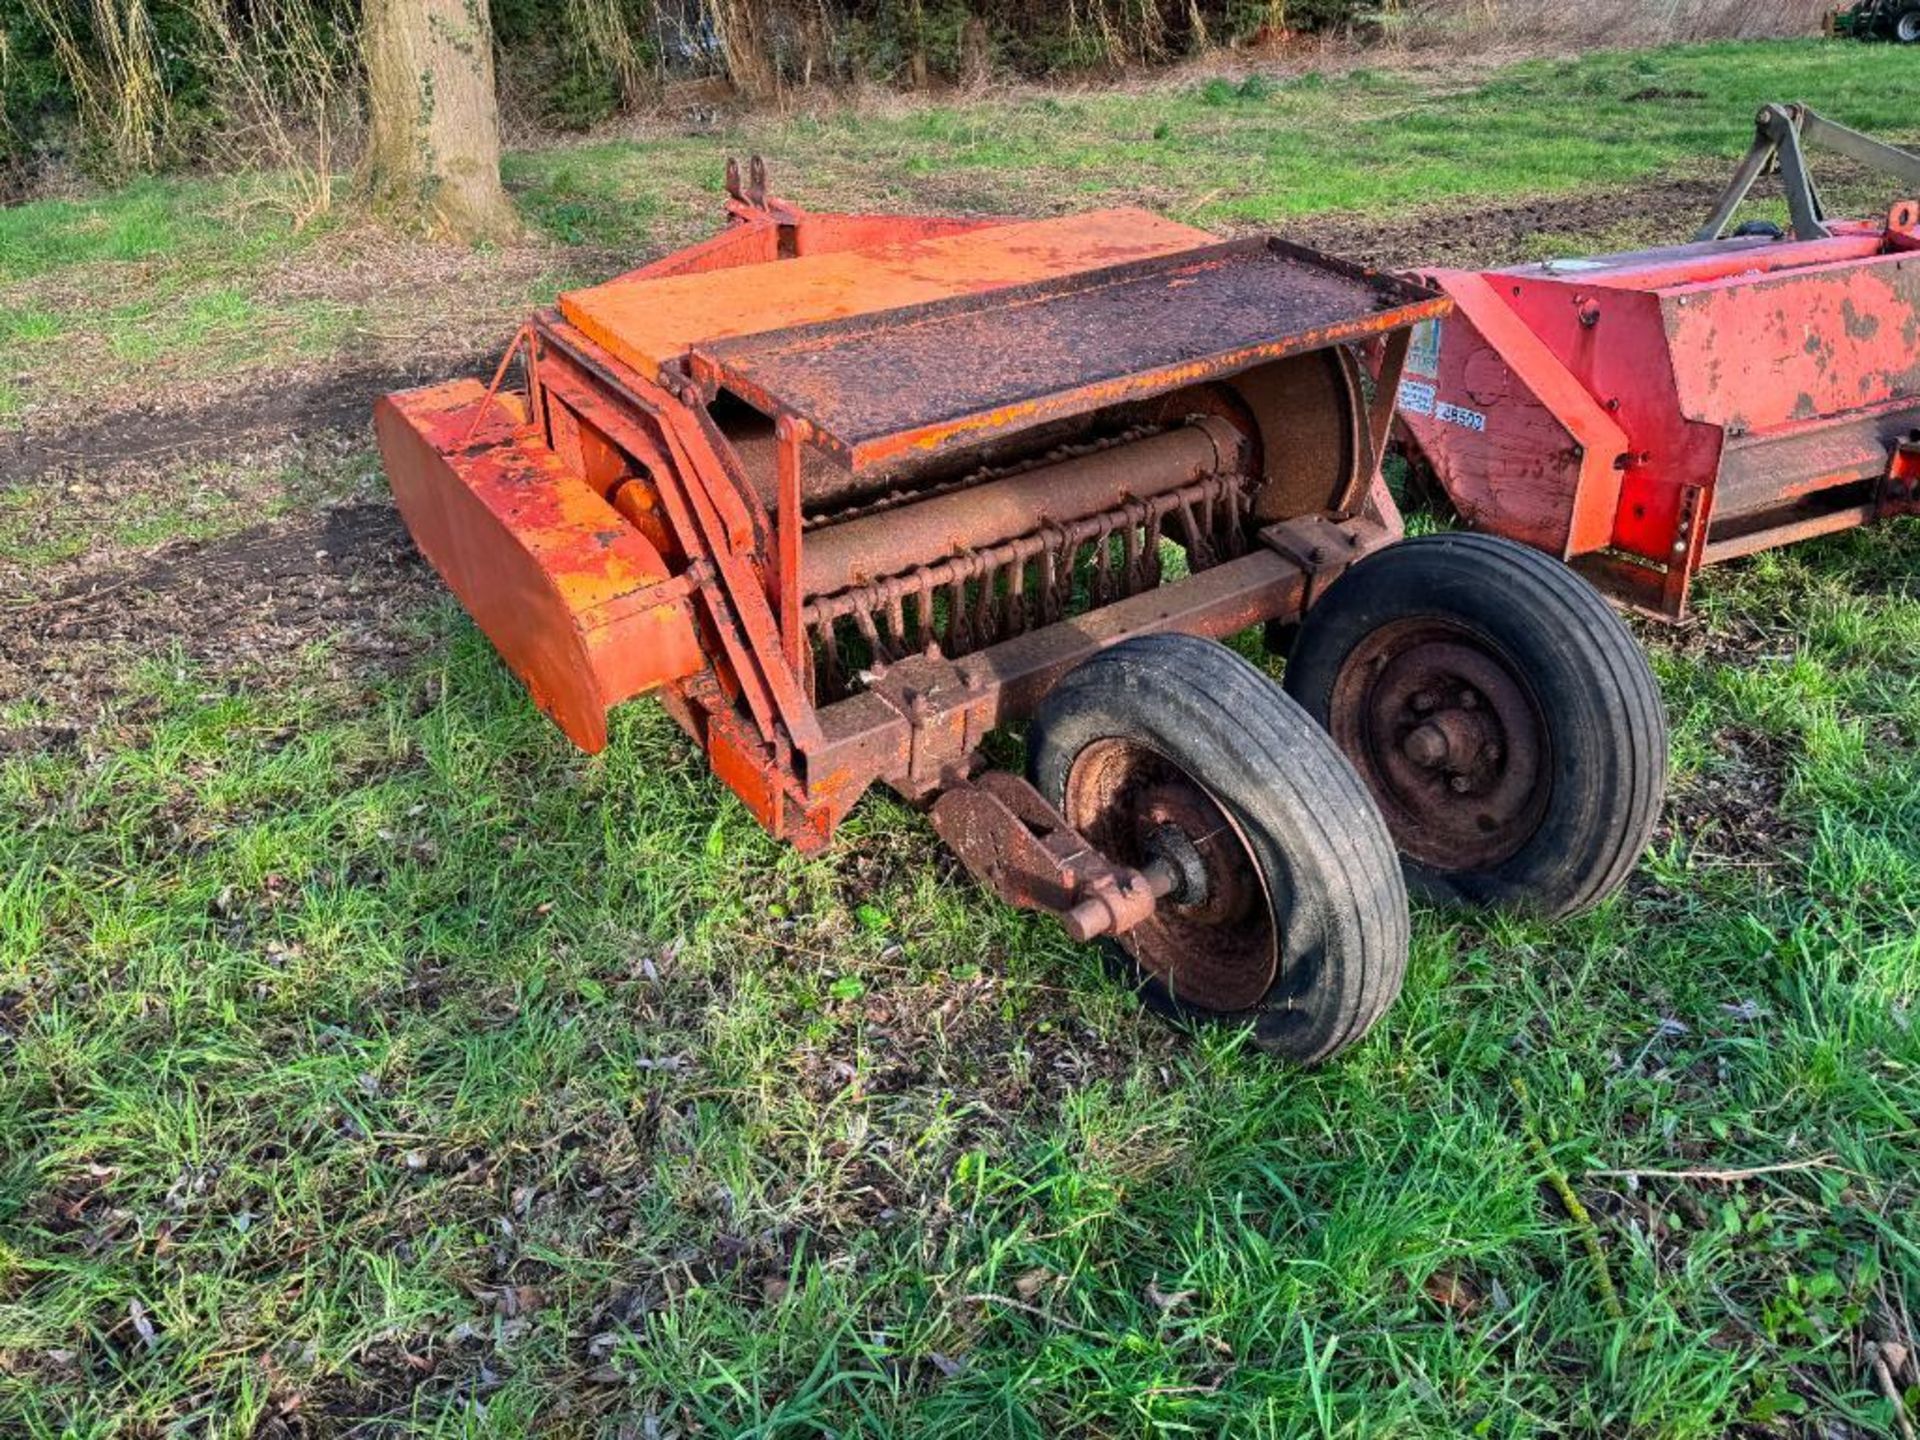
<point x="1642" y="415"/>
<point x="848" y="493"/>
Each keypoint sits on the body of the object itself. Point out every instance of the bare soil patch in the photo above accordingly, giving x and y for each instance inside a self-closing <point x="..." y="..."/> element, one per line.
<point x="252" y="602"/>
<point x="1489" y="235"/>
<point x="156" y="432"/>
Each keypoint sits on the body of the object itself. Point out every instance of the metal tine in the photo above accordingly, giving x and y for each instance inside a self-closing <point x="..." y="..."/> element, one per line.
<point x="1063" y="575"/>
<point x="830" y="673"/>
<point x="869" y="632"/>
<point x="897" y="618"/>
<point x="1198" y="540"/>
<point x="1017" y="597"/>
<point x="1102" y="582"/>
<point x="923" y="614"/>
<point x="1235" y="539"/>
<point x="986" y="624"/>
<point x="957" y="617"/>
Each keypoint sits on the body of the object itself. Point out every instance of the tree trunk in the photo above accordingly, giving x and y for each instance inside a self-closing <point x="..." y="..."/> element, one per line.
<point x="433" y="154"/>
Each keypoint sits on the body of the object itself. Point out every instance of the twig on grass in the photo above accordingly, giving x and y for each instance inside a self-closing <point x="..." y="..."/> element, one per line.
<point x="1883" y="1378"/>
<point x="1818" y="1162"/>
<point x="1035" y="1311"/>
<point x="74" y="597"/>
<point x="1577" y="1212"/>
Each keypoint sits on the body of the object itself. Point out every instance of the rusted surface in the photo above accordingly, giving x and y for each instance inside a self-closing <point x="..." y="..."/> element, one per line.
<point x="978" y="598"/>
<point x="1211" y="941"/>
<point x="1007" y="835"/>
<point x="620" y="527"/>
<point x="1651" y="412"/>
<point x="915" y="727"/>
<point x="576" y="600"/>
<point x="860" y="551"/>
<point x="1674" y="415"/>
<point x="923" y="378"/>
<point x="651" y="320"/>
<point x="1449" y="739"/>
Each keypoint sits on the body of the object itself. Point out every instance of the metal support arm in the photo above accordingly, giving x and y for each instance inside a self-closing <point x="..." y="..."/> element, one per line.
<point x="1781" y="134"/>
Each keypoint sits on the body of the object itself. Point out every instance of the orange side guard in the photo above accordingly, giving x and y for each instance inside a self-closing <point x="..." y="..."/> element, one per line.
<point x="575" y="599"/>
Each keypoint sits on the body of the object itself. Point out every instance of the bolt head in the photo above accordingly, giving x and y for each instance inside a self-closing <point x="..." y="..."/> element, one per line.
<point x="1425" y="745"/>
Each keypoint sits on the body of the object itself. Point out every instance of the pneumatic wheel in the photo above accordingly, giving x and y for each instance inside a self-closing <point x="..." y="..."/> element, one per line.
<point x="1906" y="26"/>
<point x="1289" y="910"/>
<point x="1500" y="712"/>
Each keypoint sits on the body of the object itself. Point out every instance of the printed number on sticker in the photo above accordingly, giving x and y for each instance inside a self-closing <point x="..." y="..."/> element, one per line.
<point x="1416" y="398"/>
<point x="1459" y="415"/>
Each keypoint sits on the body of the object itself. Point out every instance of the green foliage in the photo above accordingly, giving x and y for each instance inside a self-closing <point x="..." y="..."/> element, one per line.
<point x="572" y="65"/>
<point x="34" y="96"/>
<point x="45" y="103"/>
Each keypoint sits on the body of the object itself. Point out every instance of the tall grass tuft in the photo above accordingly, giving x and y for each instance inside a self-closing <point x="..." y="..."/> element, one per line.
<point x="109" y="54"/>
<point x="604" y="31"/>
<point x="289" y="85"/>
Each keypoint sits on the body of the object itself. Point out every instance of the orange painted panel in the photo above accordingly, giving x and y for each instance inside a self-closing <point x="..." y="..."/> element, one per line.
<point x="648" y="323"/>
<point x="566" y="589"/>
<point x="1799" y="345"/>
<point x="1517" y="442"/>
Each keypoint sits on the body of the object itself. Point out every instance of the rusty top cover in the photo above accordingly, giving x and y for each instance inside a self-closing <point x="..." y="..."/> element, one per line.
<point x="928" y="377"/>
<point x="650" y="322"/>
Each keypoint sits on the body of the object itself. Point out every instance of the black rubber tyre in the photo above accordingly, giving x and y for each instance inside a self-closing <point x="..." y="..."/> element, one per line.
<point x="1113" y="745"/>
<point x="1540" y="760"/>
<point x="1904" y="28"/>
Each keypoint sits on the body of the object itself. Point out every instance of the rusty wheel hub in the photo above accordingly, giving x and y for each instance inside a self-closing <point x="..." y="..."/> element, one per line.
<point x="1449" y="739"/>
<point x="1211" y="940"/>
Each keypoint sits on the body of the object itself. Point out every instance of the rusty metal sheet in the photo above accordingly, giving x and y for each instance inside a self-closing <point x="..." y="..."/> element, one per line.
<point x="1515" y="438"/>
<point x="951" y="373"/>
<point x="575" y="599"/>
<point x="649" y="320"/>
<point x="1796" y="344"/>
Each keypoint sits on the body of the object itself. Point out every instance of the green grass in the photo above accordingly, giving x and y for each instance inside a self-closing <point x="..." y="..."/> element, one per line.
<point x="349" y="1026"/>
<point x="369" y="1057"/>
<point x="166" y="220"/>
<point x="1259" y="152"/>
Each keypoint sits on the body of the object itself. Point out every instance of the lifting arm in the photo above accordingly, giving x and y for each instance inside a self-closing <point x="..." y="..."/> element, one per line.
<point x="1781" y="133"/>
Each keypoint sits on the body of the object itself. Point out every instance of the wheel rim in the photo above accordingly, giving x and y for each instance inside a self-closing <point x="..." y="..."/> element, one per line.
<point x="1909" y="27"/>
<point x="1212" y="942"/>
<point x="1450" y="740"/>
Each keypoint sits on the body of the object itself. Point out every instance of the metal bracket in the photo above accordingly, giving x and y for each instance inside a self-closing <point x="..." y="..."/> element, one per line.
<point x="1024" y="850"/>
<point x="1322" y="548"/>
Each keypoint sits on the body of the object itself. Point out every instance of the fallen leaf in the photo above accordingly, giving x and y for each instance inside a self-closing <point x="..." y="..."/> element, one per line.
<point x="143" y="1327"/>
<point x="1164" y="1301"/>
<point x="1453" y="1290"/>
